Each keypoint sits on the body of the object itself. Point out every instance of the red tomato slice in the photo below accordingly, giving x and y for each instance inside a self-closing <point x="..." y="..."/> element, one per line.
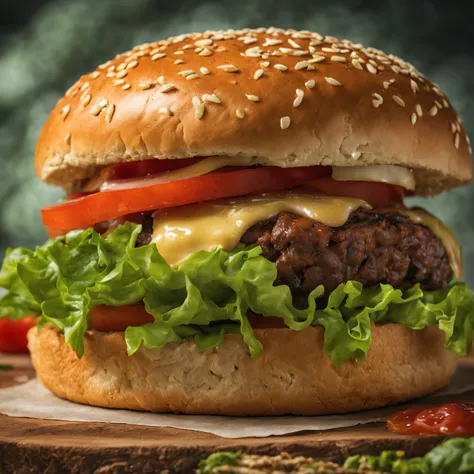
<point x="376" y="194"/>
<point x="111" y="318"/>
<point x="89" y="210"/>
<point x="13" y="334"/>
<point x="119" y="318"/>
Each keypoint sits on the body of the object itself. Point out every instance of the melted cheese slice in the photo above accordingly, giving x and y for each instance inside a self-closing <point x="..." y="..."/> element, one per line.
<point x="444" y="233"/>
<point x="377" y="173"/>
<point x="181" y="231"/>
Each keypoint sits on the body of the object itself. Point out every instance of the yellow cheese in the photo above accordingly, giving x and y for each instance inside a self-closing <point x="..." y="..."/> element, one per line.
<point x="204" y="166"/>
<point x="444" y="233"/>
<point x="377" y="173"/>
<point x="181" y="231"/>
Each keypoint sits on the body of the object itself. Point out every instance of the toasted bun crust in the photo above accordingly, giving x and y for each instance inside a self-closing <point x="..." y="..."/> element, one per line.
<point x="365" y="108"/>
<point x="293" y="376"/>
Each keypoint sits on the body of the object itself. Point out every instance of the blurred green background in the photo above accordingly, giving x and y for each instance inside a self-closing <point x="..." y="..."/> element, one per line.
<point x="47" y="45"/>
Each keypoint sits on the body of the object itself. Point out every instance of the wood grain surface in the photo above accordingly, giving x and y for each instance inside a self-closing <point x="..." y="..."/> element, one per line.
<point x="29" y="445"/>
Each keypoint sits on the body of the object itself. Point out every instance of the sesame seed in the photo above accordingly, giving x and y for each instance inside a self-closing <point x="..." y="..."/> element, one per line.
<point x="316" y="59"/>
<point x="166" y="88"/>
<point x="445" y="103"/>
<point x="121" y="67"/>
<point x="332" y="81"/>
<point x="456" y="140"/>
<point x="158" y="56"/>
<point x="327" y="50"/>
<point x="272" y="42"/>
<point x="190" y="77"/>
<point x="280" y="67"/>
<point x="155" y="51"/>
<point x="254" y="52"/>
<point x="228" y="68"/>
<point x="196" y="100"/>
<point x="95" y="75"/>
<point x="65" y="111"/>
<point x="438" y="104"/>
<point x="211" y="98"/>
<point x="398" y="100"/>
<point x="378" y="99"/>
<point x="240" y="113"/>
<point x="97" y="107"/>
<point x="299" y="98"/>
<point x="419" y="110"/>
<point x="205" y="52"/>
<point x="178" y="53"/>
<point x="253" y="98"/>
<point x="294" y="44"/>
<point x="250" y="40"/>
<point x="395" y="69"/>
<point x="258" y="74"/>
<point x="125" y="87"/>
<point x="413" y="118"/>
<point x="338" y="59"/>
<point x="67" y="138"/>
<point x="110" y="74"/>
<point x="372" y="69"/>
<point x="199" y="111"/>
<point x="161" y="80"/>
<point x="433" y="110"/>
<point x="203" y="42"/>
<point x="179" y="61"/>
<point x="122" y="74"/>
<point x="300" y="52"/>
<point x="186" y="72"/>
<point x="204" y="71"/>
<point x="301" y="65"/>
<point x="198" y="50"/>
<point x="84" y="86"/>
<point x="109" y="113"/>
<point x="414" y="86"/>
<point x="356" y="63"/>
<point x="453" y="127"/>
<point x="118" y="82"/>
<point x="132" y="65"/>
<point x="164" y="111"/>
<point x="265" y="63"/>
<point x="144" y="86"/>
<point x="386" y="84"/>
<point x="310" y="84"/>
<point x="312" y="50"/>
<point x="285" y="122"/>
<point x="85" y="99"/>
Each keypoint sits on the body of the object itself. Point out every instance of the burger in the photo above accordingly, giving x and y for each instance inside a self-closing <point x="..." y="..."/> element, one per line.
<point x="234" y="239"/>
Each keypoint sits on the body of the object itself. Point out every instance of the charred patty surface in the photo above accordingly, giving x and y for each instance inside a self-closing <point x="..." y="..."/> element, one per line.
<point x="372" y="247"/>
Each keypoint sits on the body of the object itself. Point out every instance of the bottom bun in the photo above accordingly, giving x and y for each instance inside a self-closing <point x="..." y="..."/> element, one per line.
<point x="293" y="376"/>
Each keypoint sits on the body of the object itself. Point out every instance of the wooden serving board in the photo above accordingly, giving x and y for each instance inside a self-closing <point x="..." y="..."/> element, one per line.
<point x="29" y="445"/>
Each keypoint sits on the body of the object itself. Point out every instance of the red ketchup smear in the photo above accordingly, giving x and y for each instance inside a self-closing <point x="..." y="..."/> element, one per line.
<point x="452" y="419"/>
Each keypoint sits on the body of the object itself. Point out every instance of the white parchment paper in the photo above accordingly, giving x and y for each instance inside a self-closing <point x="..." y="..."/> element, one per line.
<point x="32" y="400"/>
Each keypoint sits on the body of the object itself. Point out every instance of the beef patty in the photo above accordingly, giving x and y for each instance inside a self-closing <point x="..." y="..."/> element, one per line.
<point x="372" y="248"/>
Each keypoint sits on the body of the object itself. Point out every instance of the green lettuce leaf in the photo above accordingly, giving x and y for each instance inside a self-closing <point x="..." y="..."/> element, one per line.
<point x="209" y="295"/>
<point x="452" y="456"/>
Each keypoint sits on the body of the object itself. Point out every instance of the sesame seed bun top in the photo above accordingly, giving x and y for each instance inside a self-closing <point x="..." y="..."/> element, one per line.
<point x="290" y="98"/>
